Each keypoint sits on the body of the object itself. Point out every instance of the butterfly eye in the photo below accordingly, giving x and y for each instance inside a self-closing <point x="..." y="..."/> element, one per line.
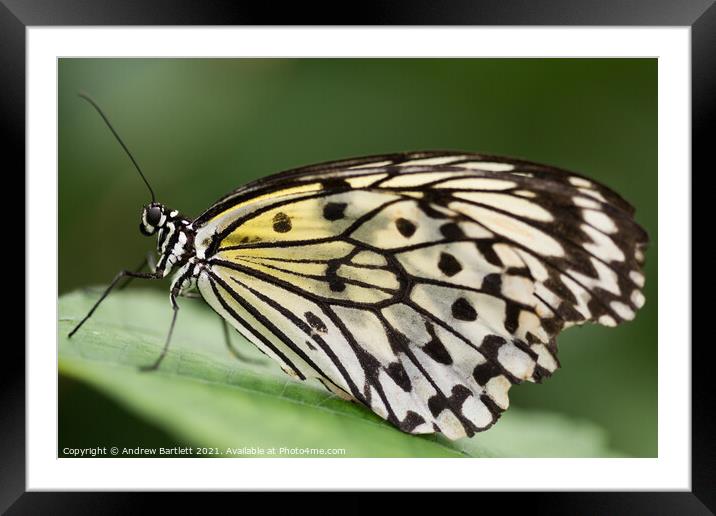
<point x="154" y="216"/>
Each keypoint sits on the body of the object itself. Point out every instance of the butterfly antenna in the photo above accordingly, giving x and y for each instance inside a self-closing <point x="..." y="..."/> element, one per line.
<point x="111" y="128"/>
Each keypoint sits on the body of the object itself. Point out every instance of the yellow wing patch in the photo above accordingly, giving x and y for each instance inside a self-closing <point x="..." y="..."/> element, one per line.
<point x="314" y="218"/>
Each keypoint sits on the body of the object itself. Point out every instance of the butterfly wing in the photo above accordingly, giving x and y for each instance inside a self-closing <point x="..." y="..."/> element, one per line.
<point x="422" y="285"/>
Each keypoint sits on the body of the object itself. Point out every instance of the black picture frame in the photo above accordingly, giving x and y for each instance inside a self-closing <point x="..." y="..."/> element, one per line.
<point x="700" y="15"/>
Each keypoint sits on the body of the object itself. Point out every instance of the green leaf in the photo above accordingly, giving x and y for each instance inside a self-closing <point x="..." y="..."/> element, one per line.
<point x="202" y="396"/>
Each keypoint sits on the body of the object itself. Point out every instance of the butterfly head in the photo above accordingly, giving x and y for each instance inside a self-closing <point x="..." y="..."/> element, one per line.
<point x="154" y="217"/>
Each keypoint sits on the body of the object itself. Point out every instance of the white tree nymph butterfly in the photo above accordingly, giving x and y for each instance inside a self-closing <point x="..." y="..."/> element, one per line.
<point x="421" y="284"/>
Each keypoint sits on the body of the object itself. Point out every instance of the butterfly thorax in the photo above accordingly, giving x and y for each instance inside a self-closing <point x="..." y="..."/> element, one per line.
<point x="175" y="236"/>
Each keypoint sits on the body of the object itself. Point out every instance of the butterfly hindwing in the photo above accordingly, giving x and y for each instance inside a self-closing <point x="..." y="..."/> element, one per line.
<point x="422" y="285"/>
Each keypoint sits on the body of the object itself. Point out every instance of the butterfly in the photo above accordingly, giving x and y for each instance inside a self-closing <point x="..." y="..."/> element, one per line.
<point x="421" y="285"/>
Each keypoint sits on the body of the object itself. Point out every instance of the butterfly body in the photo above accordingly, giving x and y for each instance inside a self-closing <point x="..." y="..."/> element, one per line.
<point x="421" y="285"/>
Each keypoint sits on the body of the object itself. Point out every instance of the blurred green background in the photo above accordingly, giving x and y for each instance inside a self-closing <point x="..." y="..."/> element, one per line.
<point x="201" y="127"/>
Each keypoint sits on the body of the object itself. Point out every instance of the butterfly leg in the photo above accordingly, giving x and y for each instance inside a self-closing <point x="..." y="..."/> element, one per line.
<point x="182" y="284"/>
<point x="162" y="354"/>
<point x="120" y="275"/>
<point x="233" y="350"/>
<point x="227" y="335"/>
<point x="149" y="261"/>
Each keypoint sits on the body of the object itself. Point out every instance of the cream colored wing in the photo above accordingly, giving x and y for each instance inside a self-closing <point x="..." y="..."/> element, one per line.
<point x="421" y="285"/>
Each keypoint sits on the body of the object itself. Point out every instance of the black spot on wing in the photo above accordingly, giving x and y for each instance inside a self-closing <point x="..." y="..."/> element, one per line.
<point x="439" y="402"/>
<point x="397" y="372"/>
<point x="451" y="231"/>
<point x="552" y="325"/>
<point x="463" y="310"/>
<point x="405" y="227"/>
<point x="411" y="421"/>
<point x="435" y="348"/>
<point x="334" y="210"/>
<point x="315" y="322"/>
<point x="281" y="223"/>
<point x="449" y="265"/>
<point x="398" y="341"/>
<point x="334" y="282"/>
<point x="336" y="285"/>
<point x="335" y="183"/>
<point x="519" y="271"/>
<point x="484" y="372"/>
<point x="491" y="345"/>
<point x="492" y="284"/>
<point x="512" y="317"/>
<point x="540" y="373"/>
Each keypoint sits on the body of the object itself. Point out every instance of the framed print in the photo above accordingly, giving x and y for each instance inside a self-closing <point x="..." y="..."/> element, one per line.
<point x="370" y="244"/>
<point x="309" y="246"/>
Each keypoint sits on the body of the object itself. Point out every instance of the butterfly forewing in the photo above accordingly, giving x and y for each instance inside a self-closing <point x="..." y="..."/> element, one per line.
<point x="422" y="285"/>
